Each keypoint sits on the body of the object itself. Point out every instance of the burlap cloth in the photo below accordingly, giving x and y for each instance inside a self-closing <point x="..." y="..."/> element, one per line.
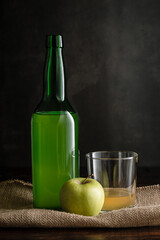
<point x="16" y="210"/>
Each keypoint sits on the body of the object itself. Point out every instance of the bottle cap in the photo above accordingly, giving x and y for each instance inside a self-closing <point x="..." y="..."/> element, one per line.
<point x="54" y="41"/>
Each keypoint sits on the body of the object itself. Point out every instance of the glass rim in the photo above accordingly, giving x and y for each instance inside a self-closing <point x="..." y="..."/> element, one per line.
<point x="135" y="155"/>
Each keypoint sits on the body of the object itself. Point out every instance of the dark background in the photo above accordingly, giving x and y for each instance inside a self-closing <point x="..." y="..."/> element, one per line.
<point x="112" y="60"/>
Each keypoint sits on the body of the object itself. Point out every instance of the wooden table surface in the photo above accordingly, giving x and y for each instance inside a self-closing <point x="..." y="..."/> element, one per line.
<point x="145" y="176"/>
<point x="81" y="234"/>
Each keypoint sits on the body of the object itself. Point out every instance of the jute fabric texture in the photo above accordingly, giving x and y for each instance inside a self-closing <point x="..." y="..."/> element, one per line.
<point x="16" y="210"/>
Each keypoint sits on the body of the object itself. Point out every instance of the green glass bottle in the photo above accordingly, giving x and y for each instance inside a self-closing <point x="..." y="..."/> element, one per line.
<point x="54" y="133"/>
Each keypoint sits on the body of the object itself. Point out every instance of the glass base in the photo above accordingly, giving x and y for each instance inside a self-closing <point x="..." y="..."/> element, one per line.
<point x="104" y="211"/>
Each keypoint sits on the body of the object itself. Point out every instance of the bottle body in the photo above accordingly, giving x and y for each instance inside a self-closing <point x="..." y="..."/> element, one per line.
<point x="54" y="138"/>
<point x="54" y="155"/>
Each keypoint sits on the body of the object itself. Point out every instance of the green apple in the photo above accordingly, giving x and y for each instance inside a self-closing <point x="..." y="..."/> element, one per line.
<point x="82" y="196"/>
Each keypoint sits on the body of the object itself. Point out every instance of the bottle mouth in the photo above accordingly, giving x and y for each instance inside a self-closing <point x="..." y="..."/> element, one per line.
<point x="54" y="41"/>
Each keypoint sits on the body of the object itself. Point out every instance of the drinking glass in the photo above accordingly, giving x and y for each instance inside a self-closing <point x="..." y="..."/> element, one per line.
<point x="116" y="171"/>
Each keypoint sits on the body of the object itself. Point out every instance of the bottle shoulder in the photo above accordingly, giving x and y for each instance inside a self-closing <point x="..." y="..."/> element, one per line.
<point x="58" y="116"/>
<point x="51" y="106"/>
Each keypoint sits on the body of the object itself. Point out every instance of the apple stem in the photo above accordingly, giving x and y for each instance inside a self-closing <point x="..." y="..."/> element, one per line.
<point x="91" y="175"/>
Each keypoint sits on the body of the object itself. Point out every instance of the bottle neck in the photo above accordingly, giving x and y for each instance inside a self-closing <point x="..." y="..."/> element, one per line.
<point x="54" y="81"/>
